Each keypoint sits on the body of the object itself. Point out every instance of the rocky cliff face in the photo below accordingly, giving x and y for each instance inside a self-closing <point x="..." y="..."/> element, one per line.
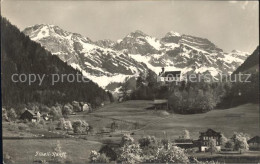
<point x="106" y="62"/>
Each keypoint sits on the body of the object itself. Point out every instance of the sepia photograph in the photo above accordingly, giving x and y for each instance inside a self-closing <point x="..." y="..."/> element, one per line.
<point x="130" y="81"/>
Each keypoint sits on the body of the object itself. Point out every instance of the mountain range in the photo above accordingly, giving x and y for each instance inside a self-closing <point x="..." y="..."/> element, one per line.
<point x="251" y="64"/>
<point x="108" y="62"/>
<point x="23" y="57"/>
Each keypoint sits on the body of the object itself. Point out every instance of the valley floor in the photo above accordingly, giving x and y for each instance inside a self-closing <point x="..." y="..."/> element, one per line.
<point x="244" y="118"/>
<point x="131" y="117"/>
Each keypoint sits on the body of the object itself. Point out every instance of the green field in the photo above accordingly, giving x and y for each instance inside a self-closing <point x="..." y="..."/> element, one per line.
<point x="24" y="151"/>
<point x="244" y="118"/>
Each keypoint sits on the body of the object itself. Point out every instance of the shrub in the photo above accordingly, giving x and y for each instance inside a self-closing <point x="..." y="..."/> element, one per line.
<point x="212" y="146"/>
<point x="4" y="115"/>
<point x="148" y="145"/>
<point x="80" y="126"/>
<point x="223" y="140"/>
<point x="109" y="152"/>
<point x="240" y="141"/>
<point x="172" y="154"/>
<point x="76" y="106"/>
<point x="185" y="134"/>
<point x="67" y="110"/>
<point x="96" y="157"/>
<point x="67" y="125"/>
<point x="127" y="139"/>
<point x="146" y="141"/>
<point x="130" y="153"/>
<point x="165" y="143"/>
<point x="230" y="144"/>
<point x="56" y="112"/>
<point x="12" y="114"/>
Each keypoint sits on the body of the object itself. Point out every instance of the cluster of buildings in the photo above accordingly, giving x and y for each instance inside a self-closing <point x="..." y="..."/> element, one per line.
<point x="34" y="116"/>
<point x="204" y="141"/>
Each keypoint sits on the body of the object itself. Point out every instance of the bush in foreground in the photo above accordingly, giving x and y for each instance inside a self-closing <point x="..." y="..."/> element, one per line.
<point x="96" y="157"/>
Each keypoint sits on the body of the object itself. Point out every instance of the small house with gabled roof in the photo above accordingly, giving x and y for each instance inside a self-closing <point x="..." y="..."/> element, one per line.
<point x="254" y="143"/>
<point x="30" y="116"/>
<point x="160" y="104"/>
<point x="169" y="76"/>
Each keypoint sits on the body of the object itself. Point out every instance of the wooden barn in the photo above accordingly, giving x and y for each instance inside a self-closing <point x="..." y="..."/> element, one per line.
<point x="30" y="116"/>
<point x="160" y="104"/>
<point x="254" y="143"/>
<point x="184" y="143"/>
<point x="169" y="76"/>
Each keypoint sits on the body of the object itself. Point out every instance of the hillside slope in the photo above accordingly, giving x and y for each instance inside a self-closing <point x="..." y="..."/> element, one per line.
<point x="250" y="64"/>
<point x="20" y="55"/>
<point x="101" y="65"/>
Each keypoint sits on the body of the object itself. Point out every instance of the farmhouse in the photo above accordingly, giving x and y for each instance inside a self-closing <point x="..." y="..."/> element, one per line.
<point x="205" y="138"/>
<point x="254" y="143"/>
<point x="160" y="104"/>
<point x="30" y="116"/>
<point x="169" y="76"/>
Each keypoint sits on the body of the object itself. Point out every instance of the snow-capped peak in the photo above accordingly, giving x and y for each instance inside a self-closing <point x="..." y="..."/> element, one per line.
<point x="118" y="60"/>
<point x="172" y="33"/>
<point x="137" y="33"/>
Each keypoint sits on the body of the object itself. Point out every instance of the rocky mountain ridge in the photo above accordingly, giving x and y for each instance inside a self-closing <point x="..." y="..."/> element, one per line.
<point x="106" y="62"/>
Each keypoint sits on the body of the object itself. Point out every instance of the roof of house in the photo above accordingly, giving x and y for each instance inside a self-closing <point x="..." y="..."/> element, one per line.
<point x="30" y="111"/>
<point x="255" y="139"/>
<point x="183" y="141"/>
<point x="210" y="132"/>
<point x="171" y="74"/>
<point x="160" y="101"/>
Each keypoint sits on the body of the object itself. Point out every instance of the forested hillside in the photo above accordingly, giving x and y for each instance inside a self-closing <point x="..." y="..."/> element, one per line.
<point x="248" y="91"/>
<point x="251" y="62"/>
<point x="20" y="55"/>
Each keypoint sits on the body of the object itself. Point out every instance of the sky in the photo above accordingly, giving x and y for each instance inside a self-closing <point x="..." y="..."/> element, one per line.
<point x="228" y="24"/>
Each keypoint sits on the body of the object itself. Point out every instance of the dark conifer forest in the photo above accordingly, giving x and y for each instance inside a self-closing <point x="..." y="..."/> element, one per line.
<point x="20" y="55"/>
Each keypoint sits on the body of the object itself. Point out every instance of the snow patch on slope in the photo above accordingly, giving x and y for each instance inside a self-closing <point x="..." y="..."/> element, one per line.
<point x="153" y="42"/>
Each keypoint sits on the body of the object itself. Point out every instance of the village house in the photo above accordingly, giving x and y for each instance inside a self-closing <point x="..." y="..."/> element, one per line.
<point x="254" y="143"/>
<point x="169" y="76"/>
<point x="205" y="137"/>
<point x="30" y="116"/>
<point x="166" y="77"/>
<point x="160" y="104"/>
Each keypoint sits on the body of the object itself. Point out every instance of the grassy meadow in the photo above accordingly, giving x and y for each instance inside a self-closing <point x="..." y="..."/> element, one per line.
<point x="132" y="117"/>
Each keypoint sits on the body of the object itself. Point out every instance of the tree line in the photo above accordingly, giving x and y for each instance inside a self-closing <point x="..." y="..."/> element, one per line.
<point x="189" y="97"/>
